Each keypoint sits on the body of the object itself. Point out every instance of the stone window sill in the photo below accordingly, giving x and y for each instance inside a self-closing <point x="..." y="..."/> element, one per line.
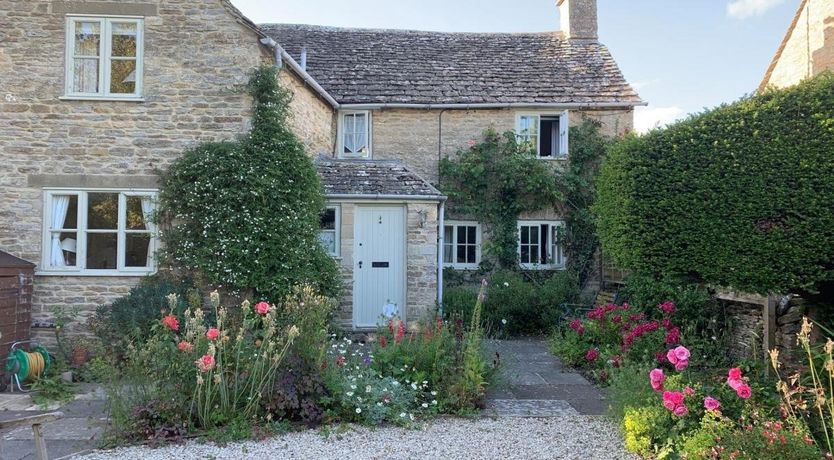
<point x="97" y="273"/>
<point x="102" y="99"/>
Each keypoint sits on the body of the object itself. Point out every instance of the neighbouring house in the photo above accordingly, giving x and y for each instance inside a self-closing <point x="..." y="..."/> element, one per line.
<point x="808" y="47"/>
<point x="99" y="96"/>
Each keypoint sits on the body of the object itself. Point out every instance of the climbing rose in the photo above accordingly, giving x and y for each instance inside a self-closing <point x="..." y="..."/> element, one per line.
<point x="205" y="363"/>
<point x="262" y="308"/>
<point x="185" y="346"/>
<point x="743" y="391"/>
<point x="711" y="403"/>
<point x="592" y="355"/>
<point x="657" y="378"/>
<point x="171" y="322"/>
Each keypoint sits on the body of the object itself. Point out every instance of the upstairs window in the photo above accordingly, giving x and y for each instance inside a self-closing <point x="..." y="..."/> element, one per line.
<point x="461" y="245"/>
<point x="540" y="245"/>
<point x="329" y="230"/>
<point x="547" y="133"/>
<point x="104" y="58"/>
<point x="99" y="232"/>
<point x="354" y="134"/>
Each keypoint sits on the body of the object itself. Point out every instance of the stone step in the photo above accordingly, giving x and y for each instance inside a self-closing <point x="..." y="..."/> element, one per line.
<point x="528" y="408"/>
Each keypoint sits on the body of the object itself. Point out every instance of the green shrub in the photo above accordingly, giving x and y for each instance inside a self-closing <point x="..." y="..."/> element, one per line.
<point x="561" y="288"/>
<point x="646" y="428"/>
<point x="129" y="318"/>
<point x="738" y="196"/>
<point x="246" y="213"/>
<point x="459" y="301"/>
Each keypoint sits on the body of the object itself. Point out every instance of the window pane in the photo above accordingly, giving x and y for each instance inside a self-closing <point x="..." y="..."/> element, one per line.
<point x="448" y="244"/>
<point x="470" y="254"/>
<point x="461" y="254"/>
<point x="101" y="251"/>
<point x="85" y="75"/>
<point x="87" y="38"/>
<point x="124" y="39"/>
<point x="461" y="235"/>
<point x="525" y="235"/>
<point x="123" y="76"/>
<point x="68" y="243"/>
<point x="135" y="214"/>
<point x="470" y="238"/>
<point x="103" y="212"/>
<point x="525" y="254"/>
<point x="137" y="249"/>
<point x="328" y="240"/>
<point x="328" y="220"/>
<point x="64" y="212"/>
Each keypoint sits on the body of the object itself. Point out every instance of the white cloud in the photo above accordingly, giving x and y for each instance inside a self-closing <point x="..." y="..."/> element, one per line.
<point x="647" y="118"/>
<point x="741" y="9"/>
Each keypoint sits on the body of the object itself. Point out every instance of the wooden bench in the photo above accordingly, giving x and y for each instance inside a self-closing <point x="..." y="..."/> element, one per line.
<point x="33" y="419"/>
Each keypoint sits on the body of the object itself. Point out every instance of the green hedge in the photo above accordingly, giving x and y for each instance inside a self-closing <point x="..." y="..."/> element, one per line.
<point x="741" y="195"/>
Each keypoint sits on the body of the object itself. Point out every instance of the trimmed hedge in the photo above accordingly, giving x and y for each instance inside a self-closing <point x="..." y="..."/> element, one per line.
<point x="741" y="195"/>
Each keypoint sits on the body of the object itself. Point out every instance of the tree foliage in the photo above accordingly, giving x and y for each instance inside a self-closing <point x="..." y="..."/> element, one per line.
<point x="740" y="195"/>
<point x="246" y="212"/>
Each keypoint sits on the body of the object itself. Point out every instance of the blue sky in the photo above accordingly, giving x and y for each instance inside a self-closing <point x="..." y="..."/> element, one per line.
<point x="681" y="55"/>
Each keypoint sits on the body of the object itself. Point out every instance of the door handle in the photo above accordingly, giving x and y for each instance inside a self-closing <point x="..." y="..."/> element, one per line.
<point x="360" y="264"/>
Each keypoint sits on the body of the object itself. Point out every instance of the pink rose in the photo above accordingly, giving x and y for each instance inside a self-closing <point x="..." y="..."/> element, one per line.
<point x="734" y="374"/>
<point x="213" y="333"/>
<point x="744" y="391"/>
<point x="185" y="346"/>
<point x="688" y="391"/>
<point x="667" y="401"/>
<point x="735" y="383"/>
<point x="711" y="403"/>
<point x="682" y="353"/>
<point x="205" y="363"/>
<point x="680" y="410"/>
<point x="656" y="378"/>
<point x="592" y="355"/>
<point x="262" y="308"/>
<point x="671" y="356"/>
<point x="681" y="365"/>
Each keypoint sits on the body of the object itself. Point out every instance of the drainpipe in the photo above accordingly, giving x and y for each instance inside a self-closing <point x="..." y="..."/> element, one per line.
<point x="440" y="243"/>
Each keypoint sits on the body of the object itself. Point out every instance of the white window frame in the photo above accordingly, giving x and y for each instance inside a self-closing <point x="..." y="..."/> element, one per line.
<point x="337" y="230"/>
<point x="559" y="261"/>
<point x="564" y="130"/>
<point x="81" y="229"/>
<point x="105" y="48"/>
<point x="455" y="224"/>
<point x="340" y="145"/>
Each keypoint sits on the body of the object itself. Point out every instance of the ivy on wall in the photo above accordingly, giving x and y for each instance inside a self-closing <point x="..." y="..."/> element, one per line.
<point x="499" y="179"/>
<point x="246" y="213"/>
<point x="738" y="196"/>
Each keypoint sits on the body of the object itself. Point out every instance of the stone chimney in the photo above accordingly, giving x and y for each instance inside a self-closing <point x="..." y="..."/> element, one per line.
<point x="579" y="19"/>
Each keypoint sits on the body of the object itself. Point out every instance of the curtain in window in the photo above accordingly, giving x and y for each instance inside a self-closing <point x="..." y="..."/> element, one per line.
<point x="361" y="130"/>
<point x="60" y="205"/>
<point x="350" y="139"/>
<point x="147" y="214"/>
<point x="86" y="61"/>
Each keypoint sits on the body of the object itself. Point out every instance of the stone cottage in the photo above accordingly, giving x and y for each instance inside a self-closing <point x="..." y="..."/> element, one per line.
<point x="97" y="96"/>
<point x="808" y="47"/>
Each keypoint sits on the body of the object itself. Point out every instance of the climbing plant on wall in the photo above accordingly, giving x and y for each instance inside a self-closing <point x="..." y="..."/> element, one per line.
<point x="498" y="179"/>
<point x="246" y="213"/>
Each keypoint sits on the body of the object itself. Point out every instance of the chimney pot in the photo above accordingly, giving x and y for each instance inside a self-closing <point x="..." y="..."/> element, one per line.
<point x="578" y="19"/>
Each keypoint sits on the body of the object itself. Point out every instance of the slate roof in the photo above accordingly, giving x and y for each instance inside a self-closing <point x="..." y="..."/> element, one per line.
<point x="370" y="66"/>
<point x="372" y="177"/>
<point x="9" y="261"/>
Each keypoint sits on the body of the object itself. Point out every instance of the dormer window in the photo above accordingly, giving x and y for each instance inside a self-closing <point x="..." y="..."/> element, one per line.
<point x="104" y="58"/>
<point x="545" y="132"/>
<point x="354" y="134"/>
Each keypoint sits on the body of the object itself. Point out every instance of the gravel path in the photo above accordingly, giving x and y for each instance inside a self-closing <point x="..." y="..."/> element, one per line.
<point x="566" y="437"/>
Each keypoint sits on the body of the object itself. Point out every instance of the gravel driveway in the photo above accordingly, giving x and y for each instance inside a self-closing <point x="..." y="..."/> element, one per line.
<point x="566" y="437"/>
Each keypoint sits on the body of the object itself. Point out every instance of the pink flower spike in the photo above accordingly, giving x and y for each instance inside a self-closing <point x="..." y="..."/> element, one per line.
<point x="711" y="403"/>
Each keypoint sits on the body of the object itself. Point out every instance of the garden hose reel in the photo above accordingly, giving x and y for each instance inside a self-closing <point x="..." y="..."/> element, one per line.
<point x="23" y="366"/>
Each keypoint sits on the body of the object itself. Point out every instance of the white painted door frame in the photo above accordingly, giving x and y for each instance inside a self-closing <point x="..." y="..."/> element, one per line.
<point x="379" y="262"/>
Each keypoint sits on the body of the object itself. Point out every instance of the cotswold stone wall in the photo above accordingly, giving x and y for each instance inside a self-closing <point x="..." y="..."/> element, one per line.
<point x="809" y="50"/>
<point x="197" y="56"/>
<point x="419" y="138"/>
<point x="748" y="328"/>
<point x="421" y="260"/>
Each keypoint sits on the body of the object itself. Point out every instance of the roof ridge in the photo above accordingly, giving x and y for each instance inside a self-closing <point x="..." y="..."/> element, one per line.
<point x="326" y="28"/>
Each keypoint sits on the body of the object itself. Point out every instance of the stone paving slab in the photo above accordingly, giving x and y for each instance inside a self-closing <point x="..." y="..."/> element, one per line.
<point x="530" y="408"/>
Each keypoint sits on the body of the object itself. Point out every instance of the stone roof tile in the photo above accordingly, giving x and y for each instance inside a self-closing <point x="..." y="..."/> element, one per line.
<point x="371" y="177"/>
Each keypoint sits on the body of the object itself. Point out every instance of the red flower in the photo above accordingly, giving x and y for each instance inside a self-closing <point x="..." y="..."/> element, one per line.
<point x="592" y="355"/>
<point x="185" y="346"/>
<point x="206" y="363"/>
<point x="398" y="337"/>
<point x="213" y="333"/>
<point x="734" y="374"/>
<point x="383" y="342"/>
<point x="668" y="307"/>
<point x="171" y="322"/>
<point x="673" y="337"/>
<point x="340" y="361"/>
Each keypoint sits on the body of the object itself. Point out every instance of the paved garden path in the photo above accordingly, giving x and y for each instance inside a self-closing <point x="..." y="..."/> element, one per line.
<point x="533" y="383"/>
